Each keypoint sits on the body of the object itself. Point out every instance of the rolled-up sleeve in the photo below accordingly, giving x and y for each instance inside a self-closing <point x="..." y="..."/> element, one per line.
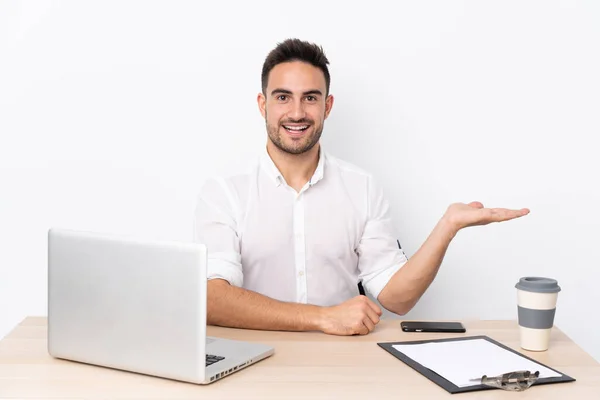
<point x="379" y="255"/>
<point x="215" y="225"/>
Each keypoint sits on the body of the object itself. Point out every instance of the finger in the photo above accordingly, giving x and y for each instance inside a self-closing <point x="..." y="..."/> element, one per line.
<point x="373" y="306"/>
<point x="476" y="204"/>
<point x="361" y="329"/>
<point x="369" y="324"/>
<point x="503" y="214"/>
<point x="372" y="316"/>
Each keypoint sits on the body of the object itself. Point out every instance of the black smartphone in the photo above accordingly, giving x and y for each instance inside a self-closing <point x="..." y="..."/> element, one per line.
<point x="432" y="326"/>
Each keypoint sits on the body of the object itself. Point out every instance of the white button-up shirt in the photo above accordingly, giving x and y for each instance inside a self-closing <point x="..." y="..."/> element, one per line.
<point x="312" y="246"/>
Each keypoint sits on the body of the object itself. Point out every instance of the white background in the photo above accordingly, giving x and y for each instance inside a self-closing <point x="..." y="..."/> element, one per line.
<point x="112" y="113"/>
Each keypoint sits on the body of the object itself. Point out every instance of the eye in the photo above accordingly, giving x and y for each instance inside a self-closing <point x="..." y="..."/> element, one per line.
<point x="311" y="98"/>
<point x="282" y="97"/>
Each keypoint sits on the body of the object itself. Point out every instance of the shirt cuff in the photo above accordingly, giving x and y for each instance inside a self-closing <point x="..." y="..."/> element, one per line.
<point x="374" y="283"/>
<point x="225" y="266"/>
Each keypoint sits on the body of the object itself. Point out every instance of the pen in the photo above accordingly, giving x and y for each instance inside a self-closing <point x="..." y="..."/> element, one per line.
<point x="514" y="381"/>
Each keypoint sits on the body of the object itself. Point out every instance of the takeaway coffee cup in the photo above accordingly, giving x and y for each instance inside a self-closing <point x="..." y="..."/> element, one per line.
<point x="536" y="303"/>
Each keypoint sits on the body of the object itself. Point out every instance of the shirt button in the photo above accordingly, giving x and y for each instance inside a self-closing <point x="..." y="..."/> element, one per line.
<point x="301" y="273"/>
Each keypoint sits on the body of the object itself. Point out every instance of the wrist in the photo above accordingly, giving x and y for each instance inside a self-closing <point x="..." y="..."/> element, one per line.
<point x="448" y="227"/>
<point x="315" y="318"/>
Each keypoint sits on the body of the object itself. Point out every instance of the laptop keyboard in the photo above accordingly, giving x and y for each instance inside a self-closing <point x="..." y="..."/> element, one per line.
<point x="211" y="359"/>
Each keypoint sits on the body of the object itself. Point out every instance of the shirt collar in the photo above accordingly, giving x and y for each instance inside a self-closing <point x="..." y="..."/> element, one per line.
<point x="273" y="172"/>
<point x="318" y="175"/>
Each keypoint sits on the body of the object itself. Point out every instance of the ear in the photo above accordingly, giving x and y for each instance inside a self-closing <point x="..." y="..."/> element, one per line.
<point x="262" y="104"/>
<point x="328" y="105"/>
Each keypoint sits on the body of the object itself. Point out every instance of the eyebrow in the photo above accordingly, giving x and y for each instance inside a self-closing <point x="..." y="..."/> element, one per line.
<point x="285" y="91"/>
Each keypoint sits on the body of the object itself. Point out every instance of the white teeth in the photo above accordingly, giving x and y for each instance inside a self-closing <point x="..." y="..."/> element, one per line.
<point x="296" y="128"/>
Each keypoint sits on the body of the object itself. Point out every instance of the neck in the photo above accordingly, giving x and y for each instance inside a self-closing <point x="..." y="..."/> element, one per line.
<point x="297" y="169"/>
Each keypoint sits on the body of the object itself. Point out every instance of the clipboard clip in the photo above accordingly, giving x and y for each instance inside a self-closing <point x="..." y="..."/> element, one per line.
<point x="515" y="381"/>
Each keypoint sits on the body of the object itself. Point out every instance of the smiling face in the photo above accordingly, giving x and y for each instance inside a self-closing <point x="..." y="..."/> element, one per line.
<point x="295" y="105"/>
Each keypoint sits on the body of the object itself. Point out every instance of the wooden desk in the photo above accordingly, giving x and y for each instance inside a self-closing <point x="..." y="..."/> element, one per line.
<point x="305" y="366"/>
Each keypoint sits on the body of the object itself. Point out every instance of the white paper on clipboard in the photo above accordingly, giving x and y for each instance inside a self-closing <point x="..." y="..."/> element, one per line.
<point x="461" y="361"/>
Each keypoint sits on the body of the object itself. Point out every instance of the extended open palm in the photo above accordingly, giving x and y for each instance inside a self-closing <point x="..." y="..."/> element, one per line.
<point x="464" y="215"/>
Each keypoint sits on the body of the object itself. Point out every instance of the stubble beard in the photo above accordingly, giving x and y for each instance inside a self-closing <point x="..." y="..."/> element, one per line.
<point x="306" y="143"/>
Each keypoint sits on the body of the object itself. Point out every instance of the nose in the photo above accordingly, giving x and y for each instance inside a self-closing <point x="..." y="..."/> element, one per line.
<point x="297" y="111"/>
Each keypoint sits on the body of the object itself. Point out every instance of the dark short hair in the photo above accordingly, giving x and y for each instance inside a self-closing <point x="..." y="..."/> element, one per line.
<point x="295" y="50"/>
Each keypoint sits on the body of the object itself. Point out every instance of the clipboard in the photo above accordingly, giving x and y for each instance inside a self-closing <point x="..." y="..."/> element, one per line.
<point x="451" y="387"/>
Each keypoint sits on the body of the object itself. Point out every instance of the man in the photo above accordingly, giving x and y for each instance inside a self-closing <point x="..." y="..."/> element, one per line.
<point x="290" y="239"/>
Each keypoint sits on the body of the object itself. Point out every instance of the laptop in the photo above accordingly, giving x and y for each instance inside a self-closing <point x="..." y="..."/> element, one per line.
<point x="137" y="305"/>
